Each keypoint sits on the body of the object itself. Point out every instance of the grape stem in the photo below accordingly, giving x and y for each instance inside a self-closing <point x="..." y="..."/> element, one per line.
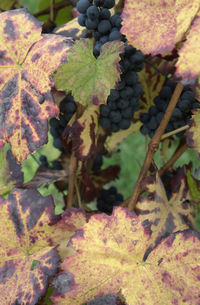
<point x="152" y="65"/>
<point x="72" y="177"/>
<point x="153" y="146"/>
<point x="178" y="152"/>
<point x="52" y="13"/>
<point x="173" y="132"/>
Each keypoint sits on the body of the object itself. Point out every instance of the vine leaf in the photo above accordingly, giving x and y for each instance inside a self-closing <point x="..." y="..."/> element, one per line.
<point x="84" y="133"/>
<point x="193" y="187"/>
<point x="110" y="250"/>
<point x="10" y="172"/>
<point x="142" y="31"/>
<point x="188" y="65"/>
<point x="24" y="229"/>
<point x="114" y="139"/>
<point x="159" y="216"/>
<point x="72" y="29"/>
<point x="46" y="176"/>
<point x="192" y="134"/>
<point x="27" y="59"/>
<point x="71" y="220"/>
<point x="90" y="79"/>
<point x="6" y="4"/>
<point x="152" y="82"/>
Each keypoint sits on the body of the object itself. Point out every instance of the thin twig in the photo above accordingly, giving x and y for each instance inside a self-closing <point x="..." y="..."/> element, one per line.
<point x="52" y="5"/>
<point x="72" y="177"/>
<point x="178" y="152"/>
<point x="78" y="194"/>
<point x="153" y="66"/>
<point x="57" y="7"/>
<point x="173" y="132"/>
<point x="153" y="146"/>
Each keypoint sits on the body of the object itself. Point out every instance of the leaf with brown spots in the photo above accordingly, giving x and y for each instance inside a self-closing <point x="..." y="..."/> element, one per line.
<point x="90" y="79"/>
<point x="27" y="59"/>
<point x="72" y="29"/>
<point x="71" y="221"/>
<point x="156" y="26"/>
<point x="10" y="172"/>
<point x="24" y="237"/>
<point x="159" y="216"/>
<point x="109" y="258"/>
<point x="152" y="82"/>
<point x="188" y="64"/>
<point x="84" y="133"/>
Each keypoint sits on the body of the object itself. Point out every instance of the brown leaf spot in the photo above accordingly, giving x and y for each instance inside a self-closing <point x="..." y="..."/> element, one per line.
<point x="9" y="30"/>
<point x="64" y="282"/>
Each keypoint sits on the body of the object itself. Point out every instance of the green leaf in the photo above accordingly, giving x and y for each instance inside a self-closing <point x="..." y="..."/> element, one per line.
<point x="193" y="187"/>
<point x="90" y="79"/>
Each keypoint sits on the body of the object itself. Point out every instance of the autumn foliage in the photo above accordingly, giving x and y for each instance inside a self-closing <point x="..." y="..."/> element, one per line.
<point x="146" y="256"/>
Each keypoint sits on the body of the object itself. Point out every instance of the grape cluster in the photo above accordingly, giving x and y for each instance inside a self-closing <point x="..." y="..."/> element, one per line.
<point x="180" y="116"/>
<point x="67" y="109"/>
<point x="108" y="199"/>
<point x="124" y="100"/>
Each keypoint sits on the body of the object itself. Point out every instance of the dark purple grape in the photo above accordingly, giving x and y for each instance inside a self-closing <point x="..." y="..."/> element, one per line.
<point x="82" y="6"/>
<point x="104" y="14"/>
<point x="92" y="13"/>
<point x="104" y="26"/>
<point x="91" y="24"/>
<point x="81" y="19"/>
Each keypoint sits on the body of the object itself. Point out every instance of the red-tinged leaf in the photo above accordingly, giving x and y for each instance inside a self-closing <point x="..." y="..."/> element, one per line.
<point x="192" y="134"/>
<point x="152" y="82"/>
<point x="141" y="20"/>
<point x="188" y="64"/>
<point x="109" y="258"/>
<point x="114" y="139"/>
<point x="94" y="183"/>
<point x="84" y="133"/>
<point x="27" y="61"/>
<point x="71" y="220"/>
<point x="72" y="29"/>
<point x="159" y="216"/>
<point x="26" y="258"/>
<point x="90" y="79"/>
<point x="46" y="176"/>
<point x="10" y="172"/>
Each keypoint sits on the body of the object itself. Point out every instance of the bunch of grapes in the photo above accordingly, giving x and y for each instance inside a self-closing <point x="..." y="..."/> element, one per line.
<point x="124" y="100"/>
<point x="108" y="199"/>
<point x="181" y="115"/>
<point x="67" y="109"/>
